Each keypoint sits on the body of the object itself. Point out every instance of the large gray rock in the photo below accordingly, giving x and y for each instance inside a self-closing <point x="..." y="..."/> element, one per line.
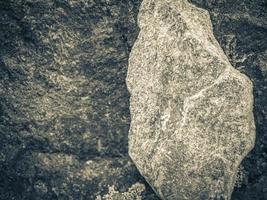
<point x="192" y="121"/>
<point x="240" y="28"/>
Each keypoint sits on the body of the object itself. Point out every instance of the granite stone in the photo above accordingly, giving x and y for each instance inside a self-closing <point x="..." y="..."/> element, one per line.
<point x="191" y="111"/>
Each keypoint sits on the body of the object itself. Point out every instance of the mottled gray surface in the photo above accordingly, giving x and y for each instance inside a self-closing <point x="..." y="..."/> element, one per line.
<point x="64" y="103"/>
<point x="106" y="29"/>
<point x="240" y="27"/>
<point x="191" y="111"/>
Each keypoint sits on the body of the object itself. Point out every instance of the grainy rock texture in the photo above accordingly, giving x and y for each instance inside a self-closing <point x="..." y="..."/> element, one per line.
<point x="64" y="103"/>
<point x="192" y="112"/>
<point x="61" y="60"/>
<point x="240" y="26"/>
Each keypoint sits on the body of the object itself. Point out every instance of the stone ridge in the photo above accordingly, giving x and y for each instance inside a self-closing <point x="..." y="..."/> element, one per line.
<point x="192" y="120"/>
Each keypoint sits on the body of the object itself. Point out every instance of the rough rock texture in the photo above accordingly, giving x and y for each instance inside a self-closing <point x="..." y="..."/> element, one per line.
<point x="192" y="112"/>
<point x="241" y="29"/>
<point x="64" y="112"/>
<point x="41" y="31"/>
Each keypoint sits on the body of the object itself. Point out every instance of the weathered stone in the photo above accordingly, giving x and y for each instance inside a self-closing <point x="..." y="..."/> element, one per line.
<point x="240" y="28"/>
<point x="93" y="38"/>
<point x="192" y="120"/>
<point x="64" y="111"/>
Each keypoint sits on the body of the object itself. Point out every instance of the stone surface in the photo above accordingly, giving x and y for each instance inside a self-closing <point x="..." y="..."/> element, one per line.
<point x="106" y="32"/>
<point x="64" y="111"/>
<point x="192" y="112"/>
<point x="240" y="27"/>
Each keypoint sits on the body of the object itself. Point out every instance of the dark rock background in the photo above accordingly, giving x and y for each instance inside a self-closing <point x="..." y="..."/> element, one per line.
<point x="64" y="106"/>
<point x="64" y="103"/>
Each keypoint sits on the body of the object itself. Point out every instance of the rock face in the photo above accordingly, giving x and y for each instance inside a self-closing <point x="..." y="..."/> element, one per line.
<point x="64" y="111"/>
<point x="62" y="60"/>
<point x="192" y="120"/>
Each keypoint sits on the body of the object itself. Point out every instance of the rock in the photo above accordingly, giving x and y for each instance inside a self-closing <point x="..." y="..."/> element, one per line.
<point x="69" y="59"/>
<point x="63" y="98"/>
<point x="135" y="192"/>
<point x="240" y="28"/>
<point x="192" y="112"/>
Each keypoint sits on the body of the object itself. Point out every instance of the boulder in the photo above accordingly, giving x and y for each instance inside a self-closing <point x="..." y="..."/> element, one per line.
<point x="191" y="112"/>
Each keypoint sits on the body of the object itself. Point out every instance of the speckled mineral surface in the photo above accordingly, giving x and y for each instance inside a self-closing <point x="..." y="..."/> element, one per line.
<point x="64" y="111"/>
<point x="192" y="120"/>
<point x="64" y="105"/>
